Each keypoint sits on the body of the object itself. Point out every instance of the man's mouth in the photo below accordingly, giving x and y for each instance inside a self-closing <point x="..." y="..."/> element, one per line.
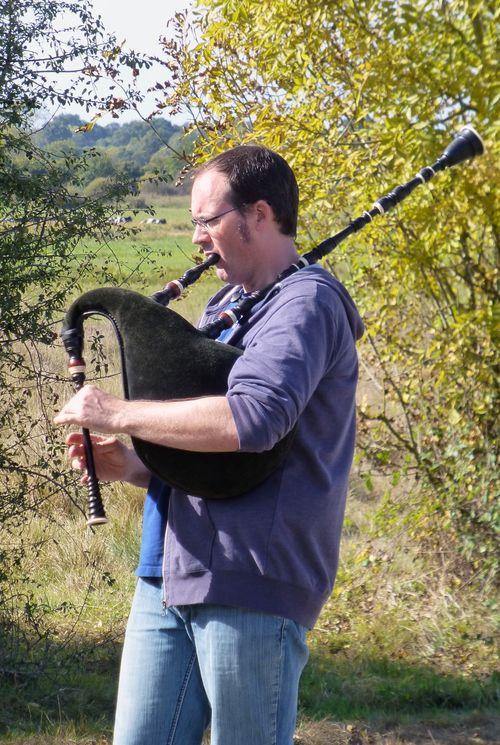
<point x="208" y="254"/>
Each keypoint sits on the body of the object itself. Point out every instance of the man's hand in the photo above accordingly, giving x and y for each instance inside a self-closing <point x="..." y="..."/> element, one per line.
<point x="202" y="425"/>
<point x="93" y="409"/>
<point x="114" y="461"/>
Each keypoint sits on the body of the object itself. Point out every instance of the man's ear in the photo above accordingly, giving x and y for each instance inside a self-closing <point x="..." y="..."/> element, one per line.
<point x="263" y="211"/>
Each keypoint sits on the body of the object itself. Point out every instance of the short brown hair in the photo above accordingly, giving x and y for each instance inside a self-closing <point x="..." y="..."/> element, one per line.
<point x="254" y="172"/>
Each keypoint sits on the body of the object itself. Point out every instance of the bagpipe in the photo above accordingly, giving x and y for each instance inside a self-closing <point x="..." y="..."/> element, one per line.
<point x="163" y="357"/>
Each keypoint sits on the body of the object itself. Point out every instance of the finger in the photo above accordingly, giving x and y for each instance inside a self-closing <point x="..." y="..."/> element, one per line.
<point x="76" y="438"/>
<point x="78" y="464"/>
<point x="75" y="451"/>
<point x="103" y="442"/>
<point x="66" y="416"/>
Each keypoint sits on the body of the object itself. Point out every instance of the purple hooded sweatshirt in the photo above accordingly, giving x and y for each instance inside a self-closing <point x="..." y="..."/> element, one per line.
<point x="275" y="549"/>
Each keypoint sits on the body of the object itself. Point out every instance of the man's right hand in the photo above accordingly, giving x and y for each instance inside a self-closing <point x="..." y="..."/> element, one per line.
<point x="113" y="460"/>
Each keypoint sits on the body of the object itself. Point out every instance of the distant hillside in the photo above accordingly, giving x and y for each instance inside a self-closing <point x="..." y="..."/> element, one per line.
<point x="136" y="149"/>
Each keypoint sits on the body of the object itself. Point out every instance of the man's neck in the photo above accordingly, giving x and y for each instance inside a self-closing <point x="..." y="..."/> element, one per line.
<point x="271" y="265"/>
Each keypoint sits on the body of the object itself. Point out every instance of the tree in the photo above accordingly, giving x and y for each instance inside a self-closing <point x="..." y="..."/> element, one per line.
<point x="358" y="97"/>
<point x="43" y="222"/>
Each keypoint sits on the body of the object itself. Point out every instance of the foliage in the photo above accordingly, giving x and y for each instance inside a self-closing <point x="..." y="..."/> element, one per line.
<point x="358" y="97"/>
<point x="43" y="221"/>
<point x="142" y="149"/>
<point x="72" y="126"/>
<point x="44" y="44"/>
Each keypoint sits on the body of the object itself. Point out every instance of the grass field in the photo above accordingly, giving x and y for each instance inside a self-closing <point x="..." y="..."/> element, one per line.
<point x="145" y="257"/>
<point x="402" y="653"/>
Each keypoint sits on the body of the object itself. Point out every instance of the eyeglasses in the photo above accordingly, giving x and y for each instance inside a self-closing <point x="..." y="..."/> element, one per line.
<point x="205" y="224"/>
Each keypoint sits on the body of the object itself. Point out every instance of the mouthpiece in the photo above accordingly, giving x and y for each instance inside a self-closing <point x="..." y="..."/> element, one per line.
<point x="211" y="259"/>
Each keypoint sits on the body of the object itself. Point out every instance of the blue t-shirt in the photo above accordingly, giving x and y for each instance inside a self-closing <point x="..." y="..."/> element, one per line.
<point x="158" y="495"/>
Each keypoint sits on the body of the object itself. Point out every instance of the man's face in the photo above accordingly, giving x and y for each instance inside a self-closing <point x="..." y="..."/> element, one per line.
<point x="229" y="235"/>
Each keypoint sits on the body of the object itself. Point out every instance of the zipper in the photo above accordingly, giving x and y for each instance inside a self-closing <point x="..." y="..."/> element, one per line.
<point x="164" y="601"/>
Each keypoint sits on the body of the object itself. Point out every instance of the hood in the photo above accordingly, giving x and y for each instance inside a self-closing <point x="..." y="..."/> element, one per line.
<point x="322" y="276"/>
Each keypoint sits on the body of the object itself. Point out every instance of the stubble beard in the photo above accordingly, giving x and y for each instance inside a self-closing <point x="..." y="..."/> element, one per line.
<point x="244" y="231"/>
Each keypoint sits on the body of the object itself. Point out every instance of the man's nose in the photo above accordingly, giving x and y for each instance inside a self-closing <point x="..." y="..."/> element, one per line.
<point x="200" y="235"/>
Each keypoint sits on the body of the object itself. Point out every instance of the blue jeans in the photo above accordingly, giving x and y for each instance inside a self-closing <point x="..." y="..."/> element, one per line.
<point x="189" y="666"/>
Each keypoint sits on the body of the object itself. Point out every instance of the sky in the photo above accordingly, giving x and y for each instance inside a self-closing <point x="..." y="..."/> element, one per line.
<point x="140" y="23"/>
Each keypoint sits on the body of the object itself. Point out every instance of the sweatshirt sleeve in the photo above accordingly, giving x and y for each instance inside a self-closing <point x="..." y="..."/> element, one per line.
<point x="271" y="383"/>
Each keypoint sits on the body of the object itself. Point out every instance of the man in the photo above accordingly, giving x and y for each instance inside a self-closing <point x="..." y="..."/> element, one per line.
<point x="227" y="589"/>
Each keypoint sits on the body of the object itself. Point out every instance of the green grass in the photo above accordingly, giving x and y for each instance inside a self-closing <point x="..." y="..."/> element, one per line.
<point x="355" y="687"/>
<point x="175" y="209"/>
<point x="145" y="257"/>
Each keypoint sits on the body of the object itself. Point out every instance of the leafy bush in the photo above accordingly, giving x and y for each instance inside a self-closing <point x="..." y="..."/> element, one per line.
<point x="43" y="222"/>
<point x="358" y="98"/>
